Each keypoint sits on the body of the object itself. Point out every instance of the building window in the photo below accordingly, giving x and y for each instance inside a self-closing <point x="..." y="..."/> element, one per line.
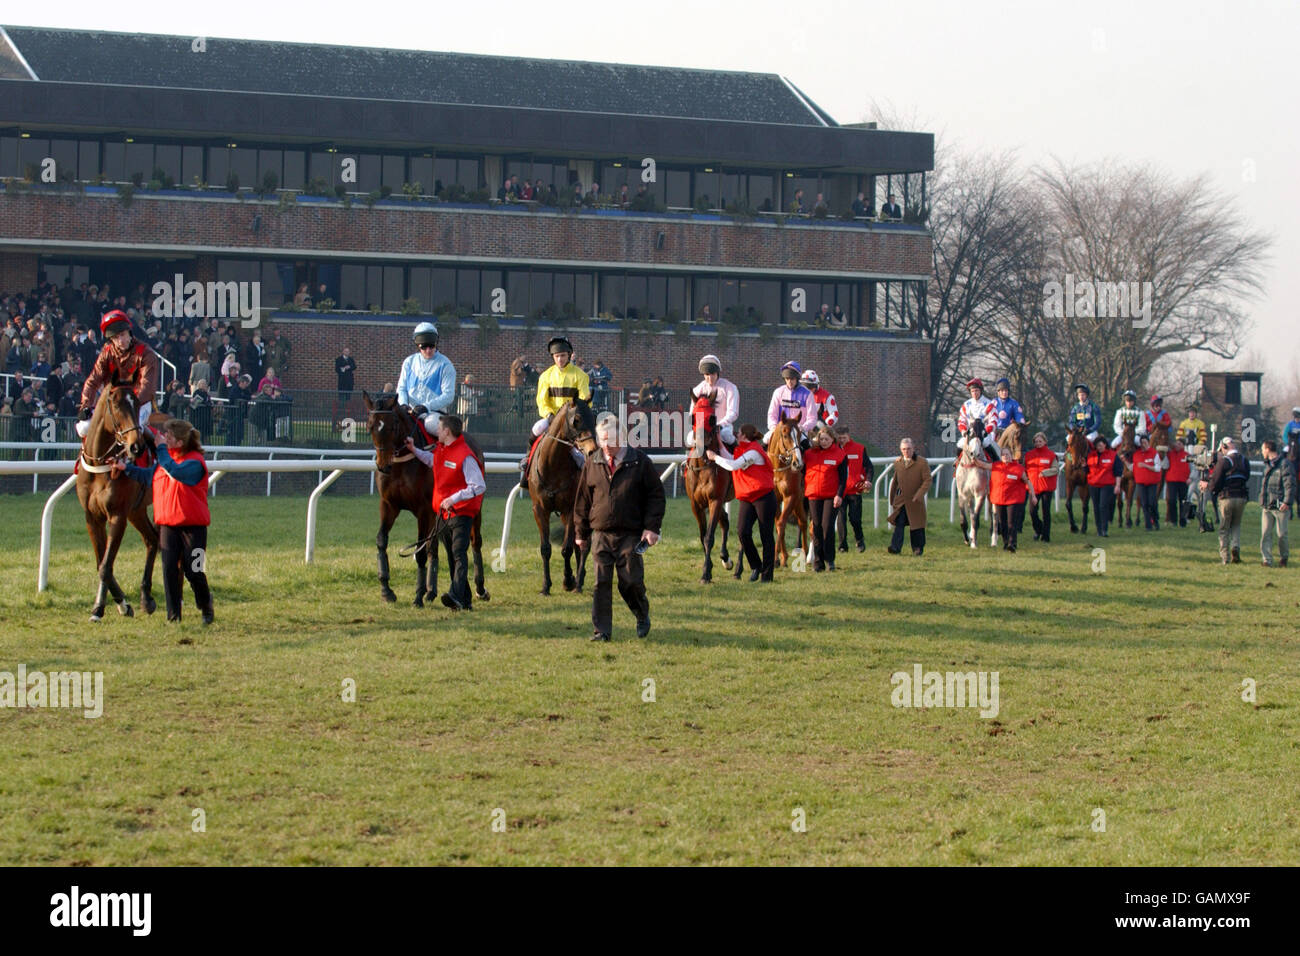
<point x="677" y="183"/>
<point x="88" y="160"/>
<point x="139" y="159"/>
<point x="192" y="165"/>
<point x="64" y="154"/>
<point x="352" y="287"/>
<point x="115" y="162"/>
<point x="612" y="291"/>
<point x="422" y="173"/>
<point x="295" y="169"/>
<point x="394" y="172"/>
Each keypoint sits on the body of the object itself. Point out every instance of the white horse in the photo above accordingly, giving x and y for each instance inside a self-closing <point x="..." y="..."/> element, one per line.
<point x="972" y="488"/>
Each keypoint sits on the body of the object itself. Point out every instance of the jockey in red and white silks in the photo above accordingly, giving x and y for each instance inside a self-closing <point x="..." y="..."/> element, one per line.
<point x="979" y="417"/>
<point x="726" y="403"/>
<point x="824" y="406"/>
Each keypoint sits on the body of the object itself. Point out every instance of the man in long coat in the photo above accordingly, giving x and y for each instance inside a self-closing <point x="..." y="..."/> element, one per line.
<point x="907" y="498"/>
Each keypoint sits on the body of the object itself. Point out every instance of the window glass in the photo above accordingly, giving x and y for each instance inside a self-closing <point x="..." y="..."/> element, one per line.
<point x="270" y="161"/>
<point x="368" y="172"/>
<point x="678" y="187"/>
<point x="443" y="292"/>
<point x="634" y="290"/>
<point x="517" y="298"/>
<point x="422" y="172"/>
<point x="541" y="292"/>
<point x="87" y="160"/>
<point x="64" y="154"/>
<point x="295" y="164"/>
<point x="115" y="162"/>
<point x="243" y="163"/>
<point x="707" y="185"/>
<point x="583" y="291"/>
<point x="612" y="287"/>
<point x="656" y="296"/>
<point x="677" y="296"/>
<point x="9" y="156"/>
<point x="418" y="289"/>
<point x="272" y="293"/>
<point x="467" y="289"/>
<point x="563" y="290"/>
<point x="324" y="166"/>
<point x="139" y="159"/>
<point x="394" y="172"/>
<point x="192" y="165"/>
<point x="394" y="288"/>
<point x="762" y="193"/>
<point x="730" y="186"/>
<point x="352" y="287"/>
<point x="705" y="292"/>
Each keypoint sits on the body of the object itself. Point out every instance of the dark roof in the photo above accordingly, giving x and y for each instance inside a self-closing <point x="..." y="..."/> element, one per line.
<point x="308" y="69"/>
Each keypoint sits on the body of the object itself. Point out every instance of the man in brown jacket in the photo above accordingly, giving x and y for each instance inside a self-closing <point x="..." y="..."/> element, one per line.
<point x="907" y="498"/>
<point x="619" y="508"/>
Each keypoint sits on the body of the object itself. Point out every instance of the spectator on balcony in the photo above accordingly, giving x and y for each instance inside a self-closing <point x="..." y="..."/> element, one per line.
<point x="593" y="196"/>
<point x="302" y="298"/>
<point x="820" y="209"/>
<point x="838" y="318"/>
<point x="860" y="208"/>
<point x="706" y="314"/>
<point x="796" y="205"/>
<point x="503" y="194"/>
<point x="624" y="197"/>
<point x="577" y="194"/>
<point x="890" y="211"/>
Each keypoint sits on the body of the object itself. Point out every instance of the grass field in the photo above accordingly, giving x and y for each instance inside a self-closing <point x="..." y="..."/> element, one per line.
<point x="1119" y="691"/>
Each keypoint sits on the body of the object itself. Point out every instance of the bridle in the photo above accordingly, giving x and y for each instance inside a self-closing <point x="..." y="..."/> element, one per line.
<point x="786" y="459"/>
<point x="99" y="464"/>
<point x="396" y="459"/>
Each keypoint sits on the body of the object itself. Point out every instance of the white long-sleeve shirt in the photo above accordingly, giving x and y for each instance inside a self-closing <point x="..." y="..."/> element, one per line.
<point x="748" y="460"/>
<point x="474" y="483"/>
<point x="1122" y="413"/>
<point x="727" y="402"/>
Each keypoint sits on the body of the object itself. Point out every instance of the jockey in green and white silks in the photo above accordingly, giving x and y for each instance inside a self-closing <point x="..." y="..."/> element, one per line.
<point x="1128" y="414"/>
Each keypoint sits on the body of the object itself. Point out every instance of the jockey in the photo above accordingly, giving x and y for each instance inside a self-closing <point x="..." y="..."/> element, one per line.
<point x="976" y="410"/>
<point x="1128" y="414"/>
<point x="1291" y="433"/>
<point x="123" y="360"/>
<point x="1192" y="431"/>
<point x="1155" y="416"/>
<point x="823" y="401"/>
<point x="788" y="398"/>
<point x="559" y="383"/>
<point x="1084" y="413"/>
<point x="427" y="384"/>
<point x="1006" y="409"/>
<point x="726" y="404"/>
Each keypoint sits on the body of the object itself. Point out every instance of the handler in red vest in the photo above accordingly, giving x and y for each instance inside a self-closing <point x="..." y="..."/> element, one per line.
<point x="1105" y="468"/>
<point x="1008" y="487"/>
<point x="861" y="474"/>
<point x="1178" y="473"/>
<point x="180" y="510"/>
<point x="826" y="472"/>
<point x="1147" y="465"/>
<point x="751" y="474"/>
<point x="458" y="488"/>
<point x="1040" y="463"/>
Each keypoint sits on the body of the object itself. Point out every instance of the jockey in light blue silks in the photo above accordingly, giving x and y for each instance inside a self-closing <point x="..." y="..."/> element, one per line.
<point x="1084" y="414"/>
<point x="427" y="384"/>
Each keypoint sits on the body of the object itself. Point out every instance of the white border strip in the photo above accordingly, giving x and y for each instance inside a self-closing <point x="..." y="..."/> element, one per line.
<point x="800" y="97"/>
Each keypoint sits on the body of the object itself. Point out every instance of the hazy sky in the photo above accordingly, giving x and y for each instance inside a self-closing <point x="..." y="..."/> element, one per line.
<point x="1190" y="87"/>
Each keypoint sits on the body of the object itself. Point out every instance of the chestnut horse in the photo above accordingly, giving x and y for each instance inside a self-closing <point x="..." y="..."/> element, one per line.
<point x="708" y="486"/>
<point x="406" y="484"/>
<point x="787" y="472"/>
<point x="1128" y="484"/>
<point x="1012" y="439"/>
<point x="109" y="503"/>
<point x="1076" y="476"/>
<point x="553" y="485"/>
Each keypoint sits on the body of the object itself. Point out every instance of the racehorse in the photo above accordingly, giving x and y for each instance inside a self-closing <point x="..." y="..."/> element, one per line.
<point x="1012" y="439"/>
<point x="1076" y="476"/>
<point x="787" y="473"/>
<point x="972" y="488"/>
<point x="405" y="484"/>
<point x="553" y="485"/>
<point x="109" y="503"/>
<point x="1128" y="485"/>
<point x="708" y="486"/>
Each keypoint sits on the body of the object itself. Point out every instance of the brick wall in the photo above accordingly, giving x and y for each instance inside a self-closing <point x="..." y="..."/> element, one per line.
<point x="421" y="232"/>
<point x="17" y="271"/>
<point x="881" y="383"/>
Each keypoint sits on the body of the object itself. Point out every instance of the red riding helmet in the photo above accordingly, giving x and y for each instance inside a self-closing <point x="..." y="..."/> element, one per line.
<point x="974" y="382"/>
<point x="114" y="322"/>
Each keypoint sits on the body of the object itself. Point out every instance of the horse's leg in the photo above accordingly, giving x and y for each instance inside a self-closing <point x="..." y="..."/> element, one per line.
<point x="707" y="576"/>
<point x="581" y="557"/>
<point x="976" y="510"/>
<point x="99" y="542"/>
<point x="543" y="519"/>
<point x="1128" y="507"/>
<point x="566" y="549"/>
<point x="1086" y="503"/>
<point x="424" y="523"/>
<point x="476" y="541"/>
<point x="782" y="556"/>
<point x="116" y="531"/>
<point x="726" y="530"/>
<point x="140" y="518"/>
<point x="387" y="515"/>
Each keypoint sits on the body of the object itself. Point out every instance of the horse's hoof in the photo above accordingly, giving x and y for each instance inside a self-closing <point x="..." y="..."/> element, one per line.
<point x="149" y="604"/>
<point x="418" y="602"/>
<point x="389" y="596"/>
<point x="484" y="596"/>
<point x="728" y="564"/>
<point x="706" y="580"/>
<point x="125" y="610"/>
<point x="570" y="586"/>
<point x="96" y="616"/>
<point x="545" y="591"/>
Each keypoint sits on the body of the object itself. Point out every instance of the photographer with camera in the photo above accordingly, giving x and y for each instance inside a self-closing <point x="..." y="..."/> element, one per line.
<point x="1276" y="497"/>
<point x="1229" y="480"/>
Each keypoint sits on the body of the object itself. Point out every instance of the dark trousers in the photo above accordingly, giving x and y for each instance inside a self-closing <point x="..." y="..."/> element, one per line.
<point x="1149" y="498"/>
<point x="1008" y="519"/>
<point x="763" y="512"/>
<point x="917" y="535"/>
<point x="1175" y="498"/>
<point x="822" y="519"/>
<point x="1103" y="503"/>
<point x="1041" y="516"/>
<point x="616" y="551"/>
<point x="184" y="550"/>
<point x="456" y="532"/>
<point x="852" y="509"/>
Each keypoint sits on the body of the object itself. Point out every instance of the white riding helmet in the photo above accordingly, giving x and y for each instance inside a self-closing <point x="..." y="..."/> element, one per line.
<point x="710" y="360"/>
<point x="426" y="333"/>
<point x="810" y="378"/>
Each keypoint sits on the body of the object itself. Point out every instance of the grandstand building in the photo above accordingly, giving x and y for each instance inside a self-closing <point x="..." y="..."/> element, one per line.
<point x="378" y="175"/>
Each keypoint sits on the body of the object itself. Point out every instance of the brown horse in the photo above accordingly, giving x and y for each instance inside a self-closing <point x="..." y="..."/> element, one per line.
<point x="1012" y="439"/>
<point x="1076" y="476"/>
<point x="1128" y="484"/>
<point x="406" y="484"/>
<point x="787" y="471"/>
<point x="553" y="485"/>
<point x="109" y="503"/>
<point x="708" y="486"/>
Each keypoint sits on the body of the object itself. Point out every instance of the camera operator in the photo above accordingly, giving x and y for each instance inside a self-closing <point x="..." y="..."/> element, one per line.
<point x="1229" y="480"/>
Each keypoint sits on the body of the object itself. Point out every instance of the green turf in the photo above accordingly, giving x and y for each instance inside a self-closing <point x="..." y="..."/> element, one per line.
<point x="1120" y="691"/>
